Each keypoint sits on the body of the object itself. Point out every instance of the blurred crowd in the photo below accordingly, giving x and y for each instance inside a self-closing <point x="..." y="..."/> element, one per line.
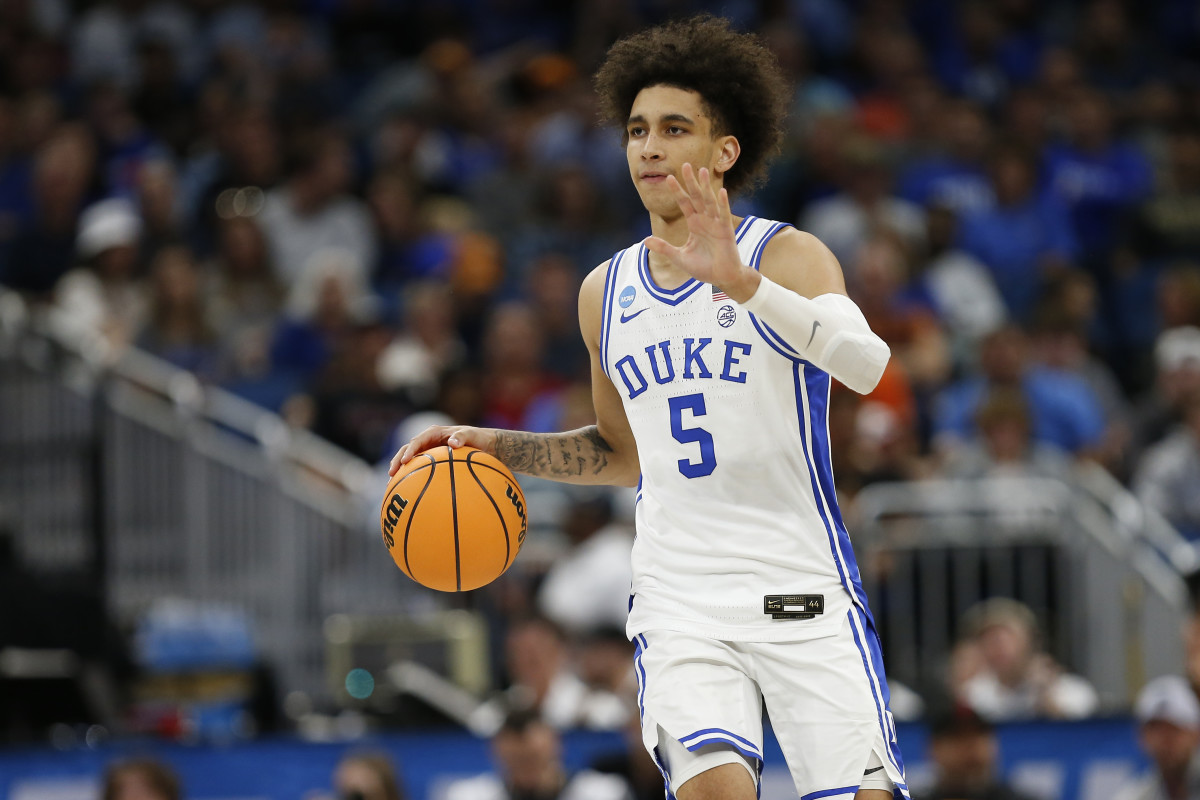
<point x="354" y="212"/>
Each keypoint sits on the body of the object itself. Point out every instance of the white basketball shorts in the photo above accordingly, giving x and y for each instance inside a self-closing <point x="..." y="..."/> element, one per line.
<point x="826" y="698"/>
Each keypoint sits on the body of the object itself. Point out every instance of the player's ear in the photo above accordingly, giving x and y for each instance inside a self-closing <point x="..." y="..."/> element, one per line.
<point x="727" y="153"/>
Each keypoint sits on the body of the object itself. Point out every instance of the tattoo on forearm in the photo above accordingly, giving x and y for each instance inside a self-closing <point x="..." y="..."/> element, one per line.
<point x="556" y="455"/>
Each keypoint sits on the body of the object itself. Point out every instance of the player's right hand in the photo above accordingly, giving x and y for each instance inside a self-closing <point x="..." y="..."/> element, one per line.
<point x="453" y="435"/>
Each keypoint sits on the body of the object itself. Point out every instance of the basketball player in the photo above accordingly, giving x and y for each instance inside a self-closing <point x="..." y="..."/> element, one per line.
<point x="712" y="345"/>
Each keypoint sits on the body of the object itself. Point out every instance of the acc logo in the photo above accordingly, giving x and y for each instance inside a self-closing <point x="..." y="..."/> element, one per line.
<point x="625" y="300"/>
<point x="726" y="316"/>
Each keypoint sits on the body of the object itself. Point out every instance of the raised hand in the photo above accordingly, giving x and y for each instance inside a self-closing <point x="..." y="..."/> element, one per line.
<point x="710" y="253"/>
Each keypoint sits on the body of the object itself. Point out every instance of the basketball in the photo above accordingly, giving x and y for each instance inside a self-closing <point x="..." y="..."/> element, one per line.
<point x="453" y="519"/>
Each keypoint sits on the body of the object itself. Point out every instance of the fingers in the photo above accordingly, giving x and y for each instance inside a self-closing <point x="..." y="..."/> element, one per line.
<point x="430" y="437"/>
<point x="682" y="197"/>
<point x="700" y="190"/>
<point x="662" y="247"/>
<point x="723" y="203"/>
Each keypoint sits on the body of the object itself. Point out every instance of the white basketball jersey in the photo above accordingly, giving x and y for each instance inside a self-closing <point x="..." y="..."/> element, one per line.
<point x="739" y="536"/>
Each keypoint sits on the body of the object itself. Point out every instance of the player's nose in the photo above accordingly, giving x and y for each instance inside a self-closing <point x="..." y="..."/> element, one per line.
<point x="650" y="148"/>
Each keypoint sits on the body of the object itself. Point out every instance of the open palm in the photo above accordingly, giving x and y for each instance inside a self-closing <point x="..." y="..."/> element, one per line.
<point x="710" y="253"/>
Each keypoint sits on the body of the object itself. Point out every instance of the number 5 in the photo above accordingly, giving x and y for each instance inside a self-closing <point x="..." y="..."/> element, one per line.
<point x="708" y="457"/>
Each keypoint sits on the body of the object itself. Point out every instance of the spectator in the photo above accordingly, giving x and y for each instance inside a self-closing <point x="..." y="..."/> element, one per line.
<point x="965" y="756"/>
<point x="1005" y="446"/>
<point x="1176" y="381"/>
<point x="158" y="206"/>
<point x="313" y="210"/>
<point x="1025" y="237"/>
<point x="367" y="776"/>
<point x="177" y="328"/>
<point x="407" y="251"/>
<point x="956" y="284"/>
<point x="44" y="246"/>
<point x="244" y="299"/>
<point x="1167" y="224"/>
<point x="956" y="178"/>
<point x="542" y="679"/>
<point x="1062" y="408"/>
<point x="587" y="589"/>
<point x="140" y="779"/>
<point x="527" y="753"/>
<point x="634" y="764"/>
<point x="1168" y="717"/>
<point x="426" y="347"/>
<point x="1168" y="473"/>
<point x="513" y="373"/>
<point x="1101" y="180"/>
<point x="103" y="298"/>
<point x="1015" y="678"/>
<point x="879" y="271"/>
<point x="864" y="203"/>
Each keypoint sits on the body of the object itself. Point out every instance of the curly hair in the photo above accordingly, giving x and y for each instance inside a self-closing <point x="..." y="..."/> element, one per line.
<point x="740" y="81"/>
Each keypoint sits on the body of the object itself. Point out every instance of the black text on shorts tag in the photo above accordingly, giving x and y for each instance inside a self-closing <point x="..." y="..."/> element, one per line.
<point x="794" y="606"/>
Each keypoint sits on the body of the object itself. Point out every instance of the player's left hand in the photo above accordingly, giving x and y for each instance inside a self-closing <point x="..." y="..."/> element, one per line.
<point x="710" y="253"/>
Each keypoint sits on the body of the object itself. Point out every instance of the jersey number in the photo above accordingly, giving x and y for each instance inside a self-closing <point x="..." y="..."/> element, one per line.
<point x="708" y="457"/>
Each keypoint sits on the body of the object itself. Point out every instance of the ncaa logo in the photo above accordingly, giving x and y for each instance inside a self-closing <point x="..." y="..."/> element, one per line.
<point x="726" y="316"/>
<point x="625" y="300"/>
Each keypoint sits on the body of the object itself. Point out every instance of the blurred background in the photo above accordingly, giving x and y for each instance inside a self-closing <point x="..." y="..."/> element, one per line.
<point x="248" y="248"/>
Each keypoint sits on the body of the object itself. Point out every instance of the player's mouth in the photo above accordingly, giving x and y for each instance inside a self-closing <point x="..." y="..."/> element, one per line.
<point x="654" y="177"/>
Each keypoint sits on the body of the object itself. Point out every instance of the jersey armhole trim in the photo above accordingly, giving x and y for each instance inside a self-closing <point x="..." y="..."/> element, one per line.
<point x="610" y="282"/>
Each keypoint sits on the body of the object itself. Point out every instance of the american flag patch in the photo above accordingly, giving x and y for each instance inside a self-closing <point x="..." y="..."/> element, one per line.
<point x="718" y="296"/>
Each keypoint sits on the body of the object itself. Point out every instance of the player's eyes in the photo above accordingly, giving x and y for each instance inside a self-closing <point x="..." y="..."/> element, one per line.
<point x="675" y="129"/>
<point x="636" y="131"/>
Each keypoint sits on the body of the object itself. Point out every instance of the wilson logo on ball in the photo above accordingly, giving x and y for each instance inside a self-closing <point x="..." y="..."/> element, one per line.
<point x="520" y="507"/>
<point x="395" y="508"/>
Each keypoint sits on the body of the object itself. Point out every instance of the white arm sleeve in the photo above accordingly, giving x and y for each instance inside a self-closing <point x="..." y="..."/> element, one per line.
<point x="829" y="331"/>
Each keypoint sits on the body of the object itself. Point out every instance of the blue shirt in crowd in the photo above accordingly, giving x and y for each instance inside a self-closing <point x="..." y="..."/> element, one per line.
<point x="1014" y="242"/>
<point x="1063" y="409"/>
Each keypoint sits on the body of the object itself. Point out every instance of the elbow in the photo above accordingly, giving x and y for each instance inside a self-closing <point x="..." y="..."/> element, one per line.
<point x="860" y="362"/>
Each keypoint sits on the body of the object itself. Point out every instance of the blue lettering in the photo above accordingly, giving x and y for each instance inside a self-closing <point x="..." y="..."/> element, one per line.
<point x="665" y="347"/>
<point x="690" y="356"/>
<point x="730" y="360"/>
<point x="627" y="363"/>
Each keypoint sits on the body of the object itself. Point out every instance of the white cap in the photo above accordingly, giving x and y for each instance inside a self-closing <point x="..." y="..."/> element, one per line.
<point x="106" y="224"/>
<point x="1168" y="698"/>
<point x="1178" y="347"/>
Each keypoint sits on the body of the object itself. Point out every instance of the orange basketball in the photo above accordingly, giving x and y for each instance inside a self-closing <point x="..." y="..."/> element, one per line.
<point x="453" y="519"/>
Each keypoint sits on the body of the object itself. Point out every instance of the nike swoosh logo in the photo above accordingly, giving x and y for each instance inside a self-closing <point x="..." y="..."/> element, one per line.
<point x="626" y="317"/>
<point x="816" y="324"/>
<point x="873" y="769"/>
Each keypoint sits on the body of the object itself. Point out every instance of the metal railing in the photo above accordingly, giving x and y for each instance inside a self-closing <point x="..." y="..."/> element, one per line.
<point x="1101" y="573"/>
<point x="126" y="467"/>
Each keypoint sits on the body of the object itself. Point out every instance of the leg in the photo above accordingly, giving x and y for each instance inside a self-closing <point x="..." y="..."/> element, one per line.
<point x="701" y="715"/>
<point x="726" y="782"/>
<point x="873" y="794"/>
<point x="827" y="703"/>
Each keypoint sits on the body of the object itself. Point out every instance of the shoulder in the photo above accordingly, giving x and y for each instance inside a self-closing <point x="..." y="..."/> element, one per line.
<point x="591" y="301"/>
<point x="593" y="282"/>
<point x="803" y="263"/>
